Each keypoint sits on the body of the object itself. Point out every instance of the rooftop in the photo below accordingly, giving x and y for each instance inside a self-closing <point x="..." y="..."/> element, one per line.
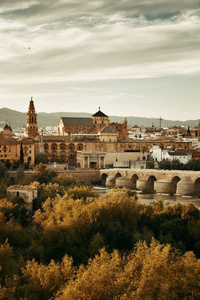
<point x="77" y="121"/>
<point x="99" y="113"/>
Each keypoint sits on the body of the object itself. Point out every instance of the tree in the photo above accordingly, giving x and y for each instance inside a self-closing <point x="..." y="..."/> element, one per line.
<point x="150" y="164"/>
<point x="20" y="175"/>
<point x="41" y="282"/>
<point x="3" y="170"/>
<point x="41" y="158"/>
<point x="42" y="174"/>
<point x="21" y="154"/>
<point x="154" y="272"/>
<point x="193" y="164"/>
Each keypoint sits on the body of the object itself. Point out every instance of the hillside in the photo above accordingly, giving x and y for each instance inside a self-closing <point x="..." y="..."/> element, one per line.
<point x="18" y="119"/>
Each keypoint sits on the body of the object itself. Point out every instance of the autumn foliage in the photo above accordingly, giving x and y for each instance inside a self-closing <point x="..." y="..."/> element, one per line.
<point x="78" y="245"/>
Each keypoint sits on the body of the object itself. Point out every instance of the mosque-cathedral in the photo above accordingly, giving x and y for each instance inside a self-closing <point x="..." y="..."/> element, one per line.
<point x="80" y="141"/>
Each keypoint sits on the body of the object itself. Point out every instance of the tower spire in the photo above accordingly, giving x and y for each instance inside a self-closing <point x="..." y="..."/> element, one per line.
<point x="31" y="121"/>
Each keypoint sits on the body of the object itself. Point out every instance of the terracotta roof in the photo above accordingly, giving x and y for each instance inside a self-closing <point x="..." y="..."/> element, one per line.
<point x="77" y="121"/>
<point x="177" y="153"/>
<point x="55" y="138"/>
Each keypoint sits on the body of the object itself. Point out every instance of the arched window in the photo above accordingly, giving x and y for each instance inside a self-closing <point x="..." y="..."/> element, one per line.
<point x="71" y="147"/>
<point x="80" y="147"/>
<point x="53" y="146"/>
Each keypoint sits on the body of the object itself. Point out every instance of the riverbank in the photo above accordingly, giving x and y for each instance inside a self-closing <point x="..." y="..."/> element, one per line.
<point x="165" y="198"/>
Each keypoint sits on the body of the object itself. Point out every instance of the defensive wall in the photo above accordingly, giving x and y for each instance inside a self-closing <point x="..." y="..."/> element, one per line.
<point x="87" y="176"/>
<point x="160" y="181"/>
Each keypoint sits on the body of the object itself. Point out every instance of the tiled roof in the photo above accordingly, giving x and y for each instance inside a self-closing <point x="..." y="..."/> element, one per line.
<point x="178" y="153"/>
<point x="107" y="129"/>
<point x="55" y="138"/>
<point x="77" y="121"/>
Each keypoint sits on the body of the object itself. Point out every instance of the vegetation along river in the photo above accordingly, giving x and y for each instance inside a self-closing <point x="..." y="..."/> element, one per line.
<point x="165" y="198"/>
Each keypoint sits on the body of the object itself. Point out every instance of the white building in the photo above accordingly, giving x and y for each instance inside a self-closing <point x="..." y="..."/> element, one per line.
<point x="158" y="154"/>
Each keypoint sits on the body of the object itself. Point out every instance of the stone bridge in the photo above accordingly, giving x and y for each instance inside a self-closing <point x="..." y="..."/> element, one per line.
<point x="160" y="181"/>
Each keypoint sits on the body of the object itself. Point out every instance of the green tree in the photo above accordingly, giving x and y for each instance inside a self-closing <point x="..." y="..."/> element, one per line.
<point x="193" y="164"/>
<point x="21" y="154"/>
<point x="41" y="158"/>
<point x="3" y="170"/>
<point x="150" y="164"/>
<point x="42" y="174"/>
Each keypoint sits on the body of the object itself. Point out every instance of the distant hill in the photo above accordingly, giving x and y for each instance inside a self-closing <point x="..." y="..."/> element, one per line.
<point x="18" y="119"/>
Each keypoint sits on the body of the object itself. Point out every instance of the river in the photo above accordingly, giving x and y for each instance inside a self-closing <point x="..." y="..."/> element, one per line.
<point x="150" y="198"/>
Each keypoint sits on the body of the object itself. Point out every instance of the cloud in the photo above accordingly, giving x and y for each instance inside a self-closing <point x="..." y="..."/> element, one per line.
<point x="51" y="42"/>
<point x="114" y="46"/>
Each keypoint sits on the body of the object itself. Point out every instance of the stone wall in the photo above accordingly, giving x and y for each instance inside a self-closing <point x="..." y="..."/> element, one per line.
<point x="87" y="176"/>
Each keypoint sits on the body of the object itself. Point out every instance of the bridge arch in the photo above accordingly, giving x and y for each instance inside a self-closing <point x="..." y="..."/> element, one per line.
<point x="150" y="183"/>
<point x="103" y="179"/>
<point x="174" y="182"/>
<point x="134" y="179"/>
<point x="197" y="186"/>
<point x="117" y="176"/>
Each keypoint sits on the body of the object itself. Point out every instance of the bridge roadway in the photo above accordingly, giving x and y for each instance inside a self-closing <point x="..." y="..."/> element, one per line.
<point x="160" y="181"/>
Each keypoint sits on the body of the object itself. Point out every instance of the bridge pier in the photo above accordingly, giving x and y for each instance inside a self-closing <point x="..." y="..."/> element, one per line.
<point x="162" y="186"/>
<point x="110" y="181"/>
<point x="141" y="184"/>
<point x="123" y="182"/>
<point x="185" y="186"/>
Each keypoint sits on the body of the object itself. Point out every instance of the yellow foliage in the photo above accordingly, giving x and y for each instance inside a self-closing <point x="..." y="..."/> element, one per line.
<point x="155" y="272"/>
<point x="50" y="277"/>
<point x="65" y="180"/>
<point x="79" y="192"/>
<point x="4" y="203"/>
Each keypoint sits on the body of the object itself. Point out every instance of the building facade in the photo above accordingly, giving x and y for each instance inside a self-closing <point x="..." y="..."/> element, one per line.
<point x="76" y="138"/>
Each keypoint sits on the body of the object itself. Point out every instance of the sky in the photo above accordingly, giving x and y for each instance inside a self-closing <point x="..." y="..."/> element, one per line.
<point x="129" y="57"/>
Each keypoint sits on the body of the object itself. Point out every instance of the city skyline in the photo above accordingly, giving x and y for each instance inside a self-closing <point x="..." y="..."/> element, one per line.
<point x="131" y="58"/>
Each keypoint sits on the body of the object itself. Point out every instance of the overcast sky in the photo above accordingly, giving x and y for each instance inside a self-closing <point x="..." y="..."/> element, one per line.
<point x="130" y="57"/>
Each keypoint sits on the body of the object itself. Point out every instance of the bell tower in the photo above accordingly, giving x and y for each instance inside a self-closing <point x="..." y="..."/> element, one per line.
<point x="31" y="121"/>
